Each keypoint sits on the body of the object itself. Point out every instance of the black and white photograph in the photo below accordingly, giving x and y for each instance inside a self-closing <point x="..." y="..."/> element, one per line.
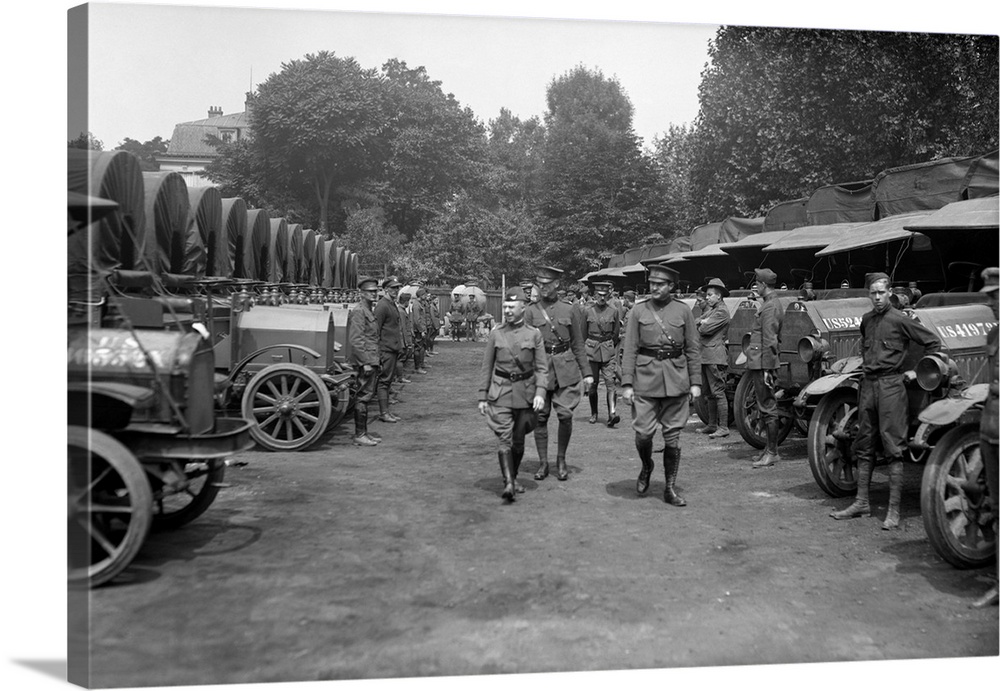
<point x="455" y="345"/>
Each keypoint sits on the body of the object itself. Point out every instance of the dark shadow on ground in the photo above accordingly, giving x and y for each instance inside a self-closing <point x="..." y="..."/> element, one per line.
<point x="51" y="668"/>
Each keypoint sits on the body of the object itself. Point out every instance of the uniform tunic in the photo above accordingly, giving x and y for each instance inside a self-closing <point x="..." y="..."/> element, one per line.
<point x="518" y="350"/>
<point x="390" y="339"/>
<point x="713" y="326"/>
<point x="362" y="334"/>
<point x="661" y="384"/>
<point x="561" y="325"/>
<point x="762" y="354"/>
<point x="603" y="325"/>
<point x="882" y="400"/>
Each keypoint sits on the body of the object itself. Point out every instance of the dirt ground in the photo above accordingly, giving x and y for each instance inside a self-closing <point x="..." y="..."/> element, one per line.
<point x="401" y="560"/>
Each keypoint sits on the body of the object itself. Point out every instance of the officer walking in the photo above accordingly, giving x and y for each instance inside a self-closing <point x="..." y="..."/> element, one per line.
<point x="362" y="334"/>
<point x="561" y="325"/>
<point x="886" y="335"/>
<point x="762" y="361"/>
<point x="988" y="423"/>
<point x="390" y="345"/>
<point x="661" y="367"/>
<point x="512" y="386"/>
<point x="713" y="325"/>
<point x="603" y="324"/>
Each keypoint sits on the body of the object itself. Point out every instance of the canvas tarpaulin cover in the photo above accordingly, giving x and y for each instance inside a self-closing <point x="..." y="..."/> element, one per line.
<point x="205" y="222"/>
<point x="229" y="262"/>
<point x="277" y="246"/>
<point x="116" y="241"/>
<point x="255" y="244"/>
<point x="983" y="179"/>
<point x="845" y="202"/>
<point x="786" y="215"/>
<point x="921" y="186"/>
<point x="308" y="271"/>
<point x="810" y="237"/>
<point x="874" y="233"/>
<point x="167" y="207"/>
<point x="294" y="265"/>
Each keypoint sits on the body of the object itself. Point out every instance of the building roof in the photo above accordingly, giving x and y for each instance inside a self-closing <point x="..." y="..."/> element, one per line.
<point x="188" y="138"/>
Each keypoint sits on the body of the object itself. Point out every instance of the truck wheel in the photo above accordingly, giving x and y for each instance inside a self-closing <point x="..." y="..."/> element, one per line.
<point x="110" y="506"/>
<point x="959" y="526"/>
<point x="832" y="428"/>
<point x="289" y="406"/>
<point x="187" y="495"/>
<point x="747" y="417"/>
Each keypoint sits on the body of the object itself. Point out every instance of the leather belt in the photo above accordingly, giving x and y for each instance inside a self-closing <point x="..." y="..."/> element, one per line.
<point x="557" y="348"/>
<point x="882" y="375"/>
<point x="609" y="339"/>
<point x="514" y="376"/>
<point x="662" y="353"/>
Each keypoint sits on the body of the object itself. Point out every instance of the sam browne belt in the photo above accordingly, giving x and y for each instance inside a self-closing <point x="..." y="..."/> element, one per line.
<point x="514" y="376"/>
<point x="557" y="348"/>
<point x="664" y="353"/>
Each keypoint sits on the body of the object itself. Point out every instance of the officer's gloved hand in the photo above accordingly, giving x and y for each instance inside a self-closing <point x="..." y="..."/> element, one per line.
<point x="909" y="376"/>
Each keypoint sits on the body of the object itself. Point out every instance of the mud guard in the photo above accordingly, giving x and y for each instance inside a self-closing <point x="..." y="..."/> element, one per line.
<point x="948" y="410"/>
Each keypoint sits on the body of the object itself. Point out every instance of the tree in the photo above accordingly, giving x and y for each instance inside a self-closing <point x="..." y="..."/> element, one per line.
<point x="597" y="186"/>
<point x="370" y="235"/>
<point x="783" y="111"/>
<point x="319" y="130"/>
<point x="514" y="152"/>
<point x="435" y="147"/>
<point x="674" y="159"/>
<point x="86" y="140"/>
<point x="146" y="152"/>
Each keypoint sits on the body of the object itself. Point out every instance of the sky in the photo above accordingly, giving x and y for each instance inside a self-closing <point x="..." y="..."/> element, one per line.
<point x="33" y="637"/>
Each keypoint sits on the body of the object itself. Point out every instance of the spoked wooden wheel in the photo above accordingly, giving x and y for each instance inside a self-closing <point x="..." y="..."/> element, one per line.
<point x="183" y="490"/>
<point x="832" y="428"/>
<point x="289" y="407"/>
<point x="747" y="418"/>
<point x="110" y="506"/>
<point x="959" y="524"/>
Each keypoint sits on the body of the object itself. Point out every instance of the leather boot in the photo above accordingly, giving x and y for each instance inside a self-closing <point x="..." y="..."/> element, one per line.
<point x="713" y="419"/>
<point x="860" y="507"/>
<point x="613" y="417"/>
<point x="506" y="470"/>
<point x="542" y="446"/>
<point x="722" y="416"/>
<point x="517" y="454"/>
<point x="565" y="431"/>
<point x="361" y="437"/>
<point x="383" y="407"/>
<point x="770" y="456"/>
<point x="592" y="397"/>
<point x="644" y="445"/>
<point x="895" y="494"/>
<point x="671" y="463"/>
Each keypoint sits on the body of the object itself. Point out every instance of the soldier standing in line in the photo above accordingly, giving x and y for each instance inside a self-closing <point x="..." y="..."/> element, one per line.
<point x="762" y="361"/>
<point x="362" y="333"/>
<point x="434" y="321"/>
<point x="886" y="335"/>
<point x="989" y="436"/>
<point x="661" y="369"/>
<point x="418" y="317"/>
<point x="390" y="345"/>
<point x="406" y="356"/>
<point x="512" y="386"/>
<point x="562" y="327"/>
<point x="473" y="311"/>
<point x="603" y="323"/>
<point x="456" y="316"/>
<point x="713" y="325"/>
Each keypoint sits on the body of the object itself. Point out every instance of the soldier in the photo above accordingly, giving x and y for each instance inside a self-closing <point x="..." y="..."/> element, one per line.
<point x="434" y="320"/>
<point x="603" y="324"/>
<point x="762" y="361"/>
<point x="713" y="325"/>
<point x="661" y="367"/>
<point x="561" y="325"/>
<point x="886" y="335"/>
<point x="473" y="311"/>
<point x="362" y="333"/>
<point x="390" y="345"/>
<point x="526" y="285"/>
<point x="988" y="423"/>
<point x="456" y="315"/>
<point x="406" y="356"/>
<point x="419" y="319"/>
<point x="512" y="386"/>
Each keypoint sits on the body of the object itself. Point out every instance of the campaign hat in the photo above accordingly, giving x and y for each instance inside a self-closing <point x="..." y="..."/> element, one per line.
<point x="715" y="283"/>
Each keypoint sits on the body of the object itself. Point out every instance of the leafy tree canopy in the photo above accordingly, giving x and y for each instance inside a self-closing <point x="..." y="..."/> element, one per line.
<point x="86" y="140"/>
<point x="146" y="151"/>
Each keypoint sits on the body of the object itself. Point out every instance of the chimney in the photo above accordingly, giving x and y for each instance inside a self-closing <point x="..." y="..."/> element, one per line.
<point x="214" y="111"/>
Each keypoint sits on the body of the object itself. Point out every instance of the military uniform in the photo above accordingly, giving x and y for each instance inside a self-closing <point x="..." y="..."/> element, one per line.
<point x="513" y="373"/>
<point x="473" y="311"/>
<point x="456" y="316"/>
<point x="418" y="317"/>
<point x="762" y="359"/>
<point x="882" y="401"/>
<point x="661" y="361"/>
<point x="713" y="326"/>
<point x="362" y="334"/>
<point x="434" y="320"/>
<point x="603" y="324"/>
<point x="390" y="345"/>
<point x="988" y="423"/>
<point x="561" y="325"/>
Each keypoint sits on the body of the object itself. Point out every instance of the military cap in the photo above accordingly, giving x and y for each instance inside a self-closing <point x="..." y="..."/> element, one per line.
<point x="404" y="297"/>
<point x="602" y="288"/>
<point x="526" y="283"/>
<point x="716" y="283"/>
<point x="630" y="294"/>
<point x="766" y="276"/>
<point x="990" y="277"/>
<point x="876" y="276"/>
<point x="663" y="272"/>
<point x="516" y="295"/>
<point x="547" y="274"/>
<point x="391" y="282"/>
<point x="367" y="283"/>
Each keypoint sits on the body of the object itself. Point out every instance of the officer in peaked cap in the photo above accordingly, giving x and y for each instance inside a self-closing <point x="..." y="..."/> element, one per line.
<point x="526" y="285"/>
<point x="661" y="368"/>
<point x="603" y="324"/>
<point x="562" y="330"/>
<point x="362" y="332"/>
<point x="762" y="361"/>
<point x="390" y="344"/>
<point x="713" y="327"/>
<point x="886" y="337"/>
<point x="989" y="435"/>
<point x="512" y="386"/>
<point x="473" y="311"/>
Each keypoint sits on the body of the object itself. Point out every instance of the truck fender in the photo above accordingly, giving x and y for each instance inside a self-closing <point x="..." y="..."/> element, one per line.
<point x="950" y="409"/>
<point x="830" y="382"/>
